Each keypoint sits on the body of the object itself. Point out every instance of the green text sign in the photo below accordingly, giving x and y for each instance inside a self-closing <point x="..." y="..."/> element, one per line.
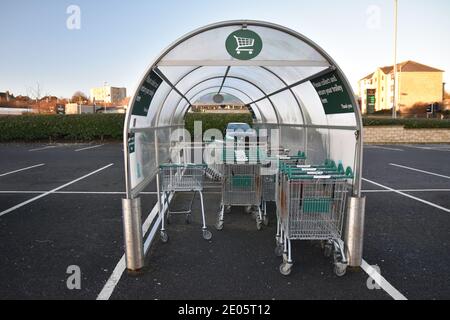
<point x="244" y="44"/>
<point x="145" y="94"/>
<point x="333" y="94"/>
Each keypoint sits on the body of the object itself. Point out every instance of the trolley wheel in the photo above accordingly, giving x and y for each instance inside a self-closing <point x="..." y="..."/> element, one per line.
<point x="227" y="209"/>
<point x="279" y="250"/>
<point x="340" y="269"/>
<point x="259" y="224"/>
<point x="164" y="236"/>
<point x="286" y="268"/>
<point x="266" y="220"/>
<point x="188" y="219"/>
<point x="219" y="225"/>
<point x="249" y="209"/>
<point x="327" y="250"/>
<point x="207" y="235"/>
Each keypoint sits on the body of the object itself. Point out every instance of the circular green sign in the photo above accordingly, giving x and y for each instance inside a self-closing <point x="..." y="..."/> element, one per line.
<point x="244" y="44"/>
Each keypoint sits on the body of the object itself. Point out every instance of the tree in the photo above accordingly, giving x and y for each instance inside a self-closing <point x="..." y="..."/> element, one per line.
<point x="79" y="97"/>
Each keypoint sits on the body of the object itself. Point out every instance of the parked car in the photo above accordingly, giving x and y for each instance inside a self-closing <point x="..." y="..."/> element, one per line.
<point x="240" y="132"/>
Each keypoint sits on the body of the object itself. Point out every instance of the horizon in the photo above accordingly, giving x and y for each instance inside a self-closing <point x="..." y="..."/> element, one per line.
<point x="108" y="45"/>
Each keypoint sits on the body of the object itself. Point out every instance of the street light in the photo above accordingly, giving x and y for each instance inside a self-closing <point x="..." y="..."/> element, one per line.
<point x="394" y="109"/>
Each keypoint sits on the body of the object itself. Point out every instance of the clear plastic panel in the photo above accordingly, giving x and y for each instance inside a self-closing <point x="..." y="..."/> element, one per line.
<point x="312" y="104"/>
<point x="175" y="74"/>
<point x="257" y="75"/>
<point x="292" y="75"/>
<point x="200" y="75"/>
<point x="317" y="150"/>
<point x="343" y="147"/>
<point x="143" y="161"/>
<point x="169" y="108"/>
<point x="287" y="107"/>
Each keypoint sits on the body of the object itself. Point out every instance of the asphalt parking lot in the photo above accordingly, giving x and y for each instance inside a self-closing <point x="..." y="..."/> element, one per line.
<point x="60" y="205"/>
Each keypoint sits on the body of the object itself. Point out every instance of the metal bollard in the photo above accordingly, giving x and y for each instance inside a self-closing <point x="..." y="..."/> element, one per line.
<point x="132" y="227"/>
<point x="354" y="231"/>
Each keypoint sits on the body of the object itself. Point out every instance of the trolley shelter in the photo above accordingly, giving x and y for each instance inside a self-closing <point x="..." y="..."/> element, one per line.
<point x="290" y="85"/>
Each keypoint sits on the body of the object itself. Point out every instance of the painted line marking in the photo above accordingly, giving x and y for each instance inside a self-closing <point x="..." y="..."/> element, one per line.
<point x="418" y="170"/>
<point x="218" y="192"/>
<point x="43" y="148"/>
<point x="382" y="282"/>
<point x="53" y="191"/>
<point x="428" y="148"/>
<point x="120" y="268"/>
<point x="384" y="148"/>
<point x="409" y="196"/>
<point x="20" y="170"/>
<point x="407" y="190"/>
<point x="88" y="148"/>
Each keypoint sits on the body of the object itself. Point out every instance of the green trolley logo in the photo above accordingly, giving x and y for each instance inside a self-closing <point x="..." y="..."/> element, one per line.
<point x="244" y="44"/>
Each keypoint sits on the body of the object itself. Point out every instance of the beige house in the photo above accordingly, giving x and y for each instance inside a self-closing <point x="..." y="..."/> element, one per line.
<point x="417" y="83"/>
<point x="108" y="94"/>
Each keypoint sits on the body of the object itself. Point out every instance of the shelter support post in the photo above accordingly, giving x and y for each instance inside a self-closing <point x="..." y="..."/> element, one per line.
<point x="354" y="230"/>
<point x="132" y="226"/>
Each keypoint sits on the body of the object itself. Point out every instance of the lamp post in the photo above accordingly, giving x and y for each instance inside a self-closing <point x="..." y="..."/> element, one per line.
<point x="394" y="109"/>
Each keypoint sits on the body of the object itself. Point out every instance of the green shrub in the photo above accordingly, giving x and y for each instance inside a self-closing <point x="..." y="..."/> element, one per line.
<point x="30" y="128"/>
<point x="408" y="123"/>
<point x="215" y="120"/>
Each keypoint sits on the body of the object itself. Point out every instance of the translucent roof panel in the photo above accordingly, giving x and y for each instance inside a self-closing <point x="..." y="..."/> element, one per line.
<point x="287" y="107"/>
<point x="208" y="48"/>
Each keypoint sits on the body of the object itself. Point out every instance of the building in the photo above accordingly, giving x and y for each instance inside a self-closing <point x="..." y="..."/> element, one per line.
<point x="108" y="94"/>
<point x="6" y="96"/>
<point x="75" y="108"/>
<point x="417" y="83"/>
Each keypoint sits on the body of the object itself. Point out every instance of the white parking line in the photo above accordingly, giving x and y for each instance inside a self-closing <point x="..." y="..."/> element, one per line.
<point x="43" y="148"/>
<point x="88" y="148"/>
<point x="20" y="170"/>
<point x="409" y="196"/>
<point x="418" y="170"/>
<point x="406" y="190"/>
<point x="382" y="282"/>
<point x="385" y="148"/>
<point x="53" y="191"/>
<point x="114" y="279"/>
<point x="428" y="148"/>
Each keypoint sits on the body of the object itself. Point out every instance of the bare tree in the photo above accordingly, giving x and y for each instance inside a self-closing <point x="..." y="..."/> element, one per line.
<point x="35" y="93"/>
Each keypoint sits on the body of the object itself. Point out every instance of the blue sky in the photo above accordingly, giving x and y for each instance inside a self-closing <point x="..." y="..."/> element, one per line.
<point x="118" y="39"/>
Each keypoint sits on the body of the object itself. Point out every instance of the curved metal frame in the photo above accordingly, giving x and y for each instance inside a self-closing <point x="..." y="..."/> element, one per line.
<point x="226" y="87"/>
<point x="237" y="78"/>
<point x="326" y="56"/>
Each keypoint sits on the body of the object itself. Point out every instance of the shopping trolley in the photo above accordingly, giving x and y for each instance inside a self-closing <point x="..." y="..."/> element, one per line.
<point x="182" y="178"/>
<point x="269" y="171"/>
<point x="241" y="185"/>
<point x="311" y="206"/>
<point x="244" y="44"/>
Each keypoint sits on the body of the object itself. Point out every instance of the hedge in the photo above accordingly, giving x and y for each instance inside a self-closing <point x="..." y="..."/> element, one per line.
<point x="215" y="121"/>
<point x="81" y="128"/>
<point x="408" y="123"/>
